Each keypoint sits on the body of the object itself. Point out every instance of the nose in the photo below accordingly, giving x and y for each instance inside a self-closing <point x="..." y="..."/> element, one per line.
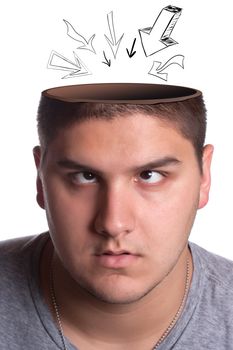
<point x="115" y="213"/>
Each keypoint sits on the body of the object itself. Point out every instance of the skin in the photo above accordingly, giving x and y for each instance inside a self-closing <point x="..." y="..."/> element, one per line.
<point x="105" y="300"/>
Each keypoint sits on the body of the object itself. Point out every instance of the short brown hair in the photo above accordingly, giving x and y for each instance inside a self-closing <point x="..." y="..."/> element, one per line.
<point x="188" y="117"/>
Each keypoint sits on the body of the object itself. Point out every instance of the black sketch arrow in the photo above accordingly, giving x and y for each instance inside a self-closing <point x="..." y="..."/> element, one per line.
<point x="158" y="37"/>
<point x="87" y="44"/>
<point x="107" y="62"/>
<point x="132" y="52"/>
<point x="113" y="43"/>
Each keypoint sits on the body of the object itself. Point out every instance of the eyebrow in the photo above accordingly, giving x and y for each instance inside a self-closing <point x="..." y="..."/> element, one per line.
<point x="157" y="163"/>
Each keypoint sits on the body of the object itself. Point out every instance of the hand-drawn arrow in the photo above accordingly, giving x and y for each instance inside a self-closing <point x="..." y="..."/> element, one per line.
<point x="76" y="69"/>
<point x="87" y="44"/>
<point x="113" y="43"/>
<point x="132" y="53"/>
<point x="108" y="62"/>
<point x="157" y="38"/>
<point x="158" y="67"/>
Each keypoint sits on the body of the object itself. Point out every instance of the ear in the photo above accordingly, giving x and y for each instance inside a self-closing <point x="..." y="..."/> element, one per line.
<point x="206" y="176"/>
<point x="39" y="186"/>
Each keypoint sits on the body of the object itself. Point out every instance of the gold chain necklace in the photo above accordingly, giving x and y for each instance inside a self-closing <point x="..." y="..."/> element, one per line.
<point x="163" y="336"/>
<point x="177" y="315"/>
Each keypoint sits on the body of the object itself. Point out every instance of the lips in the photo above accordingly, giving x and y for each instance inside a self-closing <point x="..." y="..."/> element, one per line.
<point x="119" y="252"/>
<point x="116" y="259"/>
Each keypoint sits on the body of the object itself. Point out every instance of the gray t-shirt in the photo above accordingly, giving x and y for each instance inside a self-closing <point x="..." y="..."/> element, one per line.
<point x="206" y="322"/>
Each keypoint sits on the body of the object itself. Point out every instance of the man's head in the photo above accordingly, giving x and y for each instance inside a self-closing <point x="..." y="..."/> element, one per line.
<point x="121" y="185"/>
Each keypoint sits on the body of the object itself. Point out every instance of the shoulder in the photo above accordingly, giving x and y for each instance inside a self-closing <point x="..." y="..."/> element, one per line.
<point x="21" y="305"/>
<point x="15" y="253"/>
<point x="17" y="260"/>
<point x="212" y="300"/>
<point x="217" y="269"/>
<point x="16" y="245"/>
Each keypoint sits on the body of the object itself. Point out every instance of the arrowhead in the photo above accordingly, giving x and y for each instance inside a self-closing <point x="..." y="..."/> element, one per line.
<point x="130" y="54"/>
<point x="162" y="76"/>
<point x="78" y="72"/>
<point x="155" y="71"/>
<point x="150" y="44"/>
<point x="57" y="61"/>
<point x="83" y="69"/>
<point x="88" y="45"/>
<point x="108" y="62"/>
<point x="114" y="46"/>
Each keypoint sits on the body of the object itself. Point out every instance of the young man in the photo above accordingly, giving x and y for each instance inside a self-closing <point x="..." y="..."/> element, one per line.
<point x="122" y="171"/>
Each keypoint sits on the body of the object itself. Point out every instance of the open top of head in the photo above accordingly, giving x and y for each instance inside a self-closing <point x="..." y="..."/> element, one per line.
<point x="130" y="93"/>
<point x="182" y="107"/>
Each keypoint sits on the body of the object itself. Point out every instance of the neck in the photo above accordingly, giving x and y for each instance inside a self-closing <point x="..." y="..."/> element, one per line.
<point x="84" y="315"/>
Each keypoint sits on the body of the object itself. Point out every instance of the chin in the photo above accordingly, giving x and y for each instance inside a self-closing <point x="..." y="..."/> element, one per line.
<point x="118" y="293"/>
<point x="117" y="298"/>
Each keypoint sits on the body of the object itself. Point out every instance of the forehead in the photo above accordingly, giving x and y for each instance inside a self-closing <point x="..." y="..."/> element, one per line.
<point x="120" y="142"/>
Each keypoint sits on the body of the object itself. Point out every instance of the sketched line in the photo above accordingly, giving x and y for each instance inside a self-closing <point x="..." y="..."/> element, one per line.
<point x="59" y="62"/>
<point x="72" y="33"/>
<point x="158" y="68"/>
<point x="113" y="43"/>
<point x="158" y="37"/>
<point x="107" y="62"/>
<point x="132" y="52"/>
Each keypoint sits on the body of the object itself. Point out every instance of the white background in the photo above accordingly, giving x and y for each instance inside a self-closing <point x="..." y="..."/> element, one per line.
<point x="31" y="30"/>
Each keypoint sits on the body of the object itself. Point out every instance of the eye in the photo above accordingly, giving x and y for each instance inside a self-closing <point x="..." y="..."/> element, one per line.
<point x="151" y="176"/>
<point x="83" y="177"/>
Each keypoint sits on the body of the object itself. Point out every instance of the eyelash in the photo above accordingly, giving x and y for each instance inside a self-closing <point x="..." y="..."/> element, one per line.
<point x="73" y="175"/>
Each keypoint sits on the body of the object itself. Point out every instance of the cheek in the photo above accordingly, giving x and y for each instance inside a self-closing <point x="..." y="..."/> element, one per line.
<point x="169" y="216"/>
<point x="68" y="211"/>
<point x="69" y="219"/>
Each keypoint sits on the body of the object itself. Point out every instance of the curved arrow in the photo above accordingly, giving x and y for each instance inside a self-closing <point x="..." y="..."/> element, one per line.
<point x="87" y="44"/>
<point x="157" y="67"/>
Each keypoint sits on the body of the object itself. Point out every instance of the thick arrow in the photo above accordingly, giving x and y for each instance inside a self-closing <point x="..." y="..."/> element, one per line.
<point x="113" y="43"/>
<point x="157" y="67"/>
<point x="87" y="44"/>
<point x="107" y="62"/>
<point x="132" y="52"/>
<point x="77" y="68"/>
<point x="157" y="38"/>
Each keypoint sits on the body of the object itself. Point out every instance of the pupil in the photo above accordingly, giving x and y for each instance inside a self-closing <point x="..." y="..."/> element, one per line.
<point x="146" y="174"/>
<point x="88" y="176"/>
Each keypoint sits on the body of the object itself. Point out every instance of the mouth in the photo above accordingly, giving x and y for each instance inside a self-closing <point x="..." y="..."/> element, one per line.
<point x="116" y="259"/>
<point x="116" y="253"/>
